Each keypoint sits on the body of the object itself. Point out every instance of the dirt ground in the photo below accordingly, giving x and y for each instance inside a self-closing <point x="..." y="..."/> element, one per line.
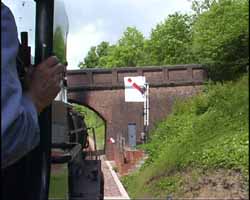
<point x="219" y="184"/>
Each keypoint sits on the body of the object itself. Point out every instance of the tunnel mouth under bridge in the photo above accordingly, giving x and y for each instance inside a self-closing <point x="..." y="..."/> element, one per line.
<point x="96" y="126"/>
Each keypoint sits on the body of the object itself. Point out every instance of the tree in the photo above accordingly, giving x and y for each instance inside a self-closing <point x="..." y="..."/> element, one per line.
<point x="94" y="55"/>
<point x="91" y="60"/>
<point x="221" y="38"/>
<point x="130" y="47"/>
<point x="102" y="49"/>
<point x="111" y="59"/>
<point x="82" y="65"/>
<point x="200" y="6"/>
<point x="127" y="53"/>
<point x="170" y="41"/>
<point x="225" y="22"/>
<point x="146" y="59"/>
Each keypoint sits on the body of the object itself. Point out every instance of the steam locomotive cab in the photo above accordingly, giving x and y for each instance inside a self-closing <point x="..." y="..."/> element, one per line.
<point x="64" y="134"/>
<point x="69" y="145"/>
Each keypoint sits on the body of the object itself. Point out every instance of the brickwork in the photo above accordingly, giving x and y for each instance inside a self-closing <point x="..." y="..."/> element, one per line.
<point x="103" y="92"/>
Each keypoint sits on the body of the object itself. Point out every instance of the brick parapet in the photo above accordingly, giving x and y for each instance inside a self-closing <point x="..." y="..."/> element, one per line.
<point x="99" y="79"/>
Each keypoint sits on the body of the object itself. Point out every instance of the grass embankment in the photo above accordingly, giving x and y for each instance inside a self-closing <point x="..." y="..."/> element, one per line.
<point x="204" y="133"/>
<point x="59" y="183"/>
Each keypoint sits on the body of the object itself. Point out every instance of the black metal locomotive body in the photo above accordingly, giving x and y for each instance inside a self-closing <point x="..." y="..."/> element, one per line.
<point x="69" y="131"/>
<point x="70" y="139"/>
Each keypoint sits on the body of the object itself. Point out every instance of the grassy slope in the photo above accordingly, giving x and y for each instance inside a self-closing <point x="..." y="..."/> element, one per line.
<point x="59" y="184"/>
<point x="206" y="132"/>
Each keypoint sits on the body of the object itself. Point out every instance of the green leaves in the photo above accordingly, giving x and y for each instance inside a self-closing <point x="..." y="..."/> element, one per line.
<point x="220" y="27"/>
<point x="199" y="6"/>
<point x="95" y="56"/>
<point x="129" y="49"/>
<point x="170" y="41"/>
<point x="92" y="58"/>
<point x="127" y="52"/>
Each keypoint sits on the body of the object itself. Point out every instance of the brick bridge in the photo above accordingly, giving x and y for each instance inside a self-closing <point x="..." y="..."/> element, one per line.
<point x="102" y="90"/>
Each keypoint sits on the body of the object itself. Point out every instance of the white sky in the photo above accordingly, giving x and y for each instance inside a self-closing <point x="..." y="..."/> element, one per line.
<point x="94" y="21"/>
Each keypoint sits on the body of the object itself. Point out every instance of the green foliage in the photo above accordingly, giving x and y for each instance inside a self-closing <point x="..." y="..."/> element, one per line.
<point x="95" y="56"/>
<point x="102" y="49"/>
<point x="91" y="59"/>
<point x="200" y="6"/>
<point x="127" y="52"/>
<point x="110" y="60"/>
<point x="207" y="131"/>
<point x="221" y="37"/>
<point x="130" y="47"/>
<point x="170" y="42"/>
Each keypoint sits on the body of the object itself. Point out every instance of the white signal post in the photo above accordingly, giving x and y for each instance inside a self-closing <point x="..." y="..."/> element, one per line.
<point x="137" y="90"/>
<point x="146" y="110"/>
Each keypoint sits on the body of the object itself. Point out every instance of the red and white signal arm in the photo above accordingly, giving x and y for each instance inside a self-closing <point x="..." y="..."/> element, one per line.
<point x="135" y="89"/>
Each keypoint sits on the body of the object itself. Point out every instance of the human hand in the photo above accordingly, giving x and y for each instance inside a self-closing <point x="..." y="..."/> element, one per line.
<point x="44" y="82"/>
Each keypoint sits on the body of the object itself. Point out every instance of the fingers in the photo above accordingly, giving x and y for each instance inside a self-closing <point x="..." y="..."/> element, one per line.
<point x="58" y="73"/>
<point x="52" y="68"/>
<point x="51" y="61"/>
<point x="58" y="69"/>
<point x="56" y="84"/>
<point x="54" y="64"/>
<point x="46" y="80"/>
<point x="57" y="79"/>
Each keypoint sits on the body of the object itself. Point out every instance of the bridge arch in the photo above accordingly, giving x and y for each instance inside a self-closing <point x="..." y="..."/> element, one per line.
<point x="103" y="91"/>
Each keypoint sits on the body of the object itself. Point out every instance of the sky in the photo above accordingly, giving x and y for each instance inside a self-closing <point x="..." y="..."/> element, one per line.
<point x="94" y="21"/>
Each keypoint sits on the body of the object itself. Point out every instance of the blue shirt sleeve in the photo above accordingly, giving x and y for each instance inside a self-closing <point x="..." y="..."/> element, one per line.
<point x="19" y="124"/>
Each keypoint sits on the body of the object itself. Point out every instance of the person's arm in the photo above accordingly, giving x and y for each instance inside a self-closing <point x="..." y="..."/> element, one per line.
<point x="20" y="129"/>
<point x="19" y="124"/>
